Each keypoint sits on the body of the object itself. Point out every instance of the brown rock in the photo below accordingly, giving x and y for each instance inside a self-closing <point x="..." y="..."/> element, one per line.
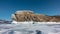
<point x="27" y="15"/>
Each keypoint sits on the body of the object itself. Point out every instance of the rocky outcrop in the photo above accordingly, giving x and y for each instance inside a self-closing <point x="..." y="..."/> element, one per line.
<point x="54" y="18"/>
<point x="27" y="15"/>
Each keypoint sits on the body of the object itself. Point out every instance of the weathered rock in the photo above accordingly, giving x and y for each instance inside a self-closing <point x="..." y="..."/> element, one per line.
<point x="54" y="18"/>
<point x="27" y="15"/>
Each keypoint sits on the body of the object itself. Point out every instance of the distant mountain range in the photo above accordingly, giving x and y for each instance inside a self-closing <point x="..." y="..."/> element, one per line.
<point x="5" y="22"/>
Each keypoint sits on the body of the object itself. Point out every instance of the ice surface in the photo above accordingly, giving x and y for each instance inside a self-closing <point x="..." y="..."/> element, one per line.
<point x="29" y="29"/>
<point x="32" y="22"/>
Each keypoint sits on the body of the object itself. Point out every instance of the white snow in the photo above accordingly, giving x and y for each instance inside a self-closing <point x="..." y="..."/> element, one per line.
<point x="25" y="22"/>
<point x="31" y="22"/>
<point x="54" y="33"/>
<point x="29" y="28"/>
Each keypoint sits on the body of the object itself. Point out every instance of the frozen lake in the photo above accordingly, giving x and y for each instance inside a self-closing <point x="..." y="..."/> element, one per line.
<point x="29" y="29"/>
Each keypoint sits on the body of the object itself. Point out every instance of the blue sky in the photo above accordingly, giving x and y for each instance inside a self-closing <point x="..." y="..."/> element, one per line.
<point x="48" y="7"/>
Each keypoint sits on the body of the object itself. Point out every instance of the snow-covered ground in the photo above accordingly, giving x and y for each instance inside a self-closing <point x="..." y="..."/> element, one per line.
<point x="32" y="22"/>
<point x="25" y="22"/>
<point x="29" y="29"/>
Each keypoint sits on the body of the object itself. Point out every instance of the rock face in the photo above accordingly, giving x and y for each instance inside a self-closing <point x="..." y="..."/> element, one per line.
<point x="27" y="15"/>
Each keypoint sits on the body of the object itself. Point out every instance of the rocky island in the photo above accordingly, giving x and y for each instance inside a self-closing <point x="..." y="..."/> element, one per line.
<point x="27" y="15"/>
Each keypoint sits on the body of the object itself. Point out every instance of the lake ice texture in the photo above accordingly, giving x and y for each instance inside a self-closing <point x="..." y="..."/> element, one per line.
<point x="29" y="28"/>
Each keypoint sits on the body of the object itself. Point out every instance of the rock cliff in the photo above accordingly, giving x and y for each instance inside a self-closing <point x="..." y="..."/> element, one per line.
<point x="27" y="15"/>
